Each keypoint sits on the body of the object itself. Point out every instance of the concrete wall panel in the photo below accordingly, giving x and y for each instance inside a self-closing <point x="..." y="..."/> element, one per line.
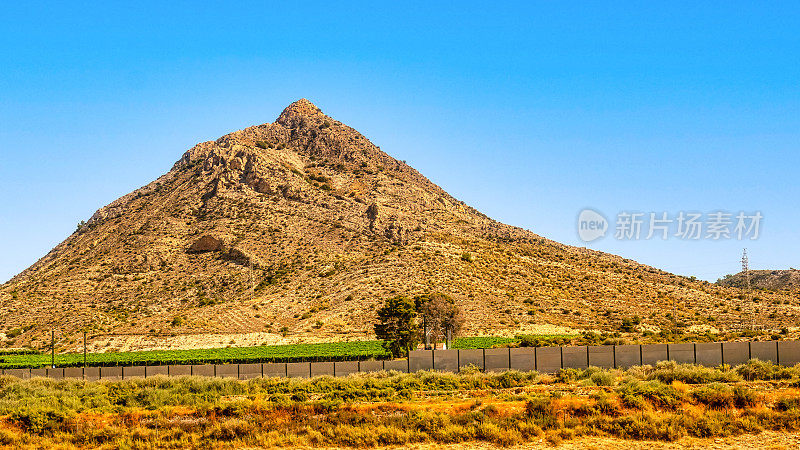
<point x="19" y="373"/>
<point x="298" y="369"/>
<point x="788" y="353"/>
<point x="735" y="353"/>
<point x="575" y="357"/>
<point x="497" y="359"/>
<point x="39" y="372"/>
<point x="370" y="366"/>
<point x="249" y="371"/>
<point x="765" y="351"/>
<point x="344" y="368"/>
<point x="203" y="370"/>
<point x="653" y="353"/>
<point x="548" y="359"/>
<point x="133" y="372"/>
<point x="470" y="356"/>
<point x="627" y="356"/>
<point x="399" y="365"/>
<point x="73" y="372"/>
<point x="274" y="369"/>
<point x="111" y="373"/>
<point x="91" y="373"/>
<point x="226" y="370"/>
<point x="321" y="368"/>
<point x="681" y="353"/>
<point x="420" y="360"/>
<point x="179" y="370"/>
<point x="523" y="359"/>
<point x="57" y="373"/>
<point x="154" y="371"/>
<point x="601" y="356"/>
<point x="445" y="360"/>
<point x="708" y="353"/>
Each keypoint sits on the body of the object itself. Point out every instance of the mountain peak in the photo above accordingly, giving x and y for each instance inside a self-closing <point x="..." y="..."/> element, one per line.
<point x="302" y="225"/>
<point x="294" y="113"/>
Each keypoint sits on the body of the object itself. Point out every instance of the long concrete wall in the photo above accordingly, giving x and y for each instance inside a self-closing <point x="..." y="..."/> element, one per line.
<point x="541" y="359"/>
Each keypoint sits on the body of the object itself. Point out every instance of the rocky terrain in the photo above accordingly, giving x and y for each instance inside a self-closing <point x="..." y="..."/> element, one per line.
<point x="773" y="280"/>
<point x="300" y="228"/>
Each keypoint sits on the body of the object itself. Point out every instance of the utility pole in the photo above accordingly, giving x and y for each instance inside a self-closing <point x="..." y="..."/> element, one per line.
<point x="746" y="272"/>
<point x="426" y="333"/>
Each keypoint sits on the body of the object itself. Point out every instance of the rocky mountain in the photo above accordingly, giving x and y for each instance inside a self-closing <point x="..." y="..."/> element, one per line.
<point x="773" y="280"/>
<point x="298" y="229"/>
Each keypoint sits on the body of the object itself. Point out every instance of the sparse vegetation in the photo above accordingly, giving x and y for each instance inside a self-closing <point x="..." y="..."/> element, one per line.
<point x="395" y="409"/>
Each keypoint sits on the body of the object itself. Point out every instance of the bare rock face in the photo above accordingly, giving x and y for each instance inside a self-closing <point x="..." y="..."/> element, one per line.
<point x="206" y="243"/>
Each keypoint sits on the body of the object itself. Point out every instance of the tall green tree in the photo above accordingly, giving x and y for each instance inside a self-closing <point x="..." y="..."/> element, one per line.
<point x="397" y="325"/>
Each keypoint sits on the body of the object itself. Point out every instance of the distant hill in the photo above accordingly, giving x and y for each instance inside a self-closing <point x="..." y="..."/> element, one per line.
<point x="299" y="229"/>
<point x="773" y="280"/>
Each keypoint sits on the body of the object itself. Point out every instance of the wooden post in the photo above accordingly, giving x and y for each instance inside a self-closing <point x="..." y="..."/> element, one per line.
<point x="84" y="349"/>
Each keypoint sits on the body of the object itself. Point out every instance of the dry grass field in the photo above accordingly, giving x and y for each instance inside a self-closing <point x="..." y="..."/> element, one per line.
<point x="671" y="404"/>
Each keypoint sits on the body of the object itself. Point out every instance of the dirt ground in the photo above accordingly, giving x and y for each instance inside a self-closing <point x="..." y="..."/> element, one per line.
<point x="766" y="440"/>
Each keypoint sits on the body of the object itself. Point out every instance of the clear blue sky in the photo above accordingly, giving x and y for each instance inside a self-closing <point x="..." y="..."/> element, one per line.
<point x="528" y="111"/>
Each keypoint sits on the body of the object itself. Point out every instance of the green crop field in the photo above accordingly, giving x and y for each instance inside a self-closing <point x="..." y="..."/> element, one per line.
<point x="334" y="351"/>
<point x="495" y="341"/>
<point x="482" y="342"/>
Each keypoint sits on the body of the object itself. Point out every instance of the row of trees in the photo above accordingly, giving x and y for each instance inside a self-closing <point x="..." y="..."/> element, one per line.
<point x="403" y="322"/>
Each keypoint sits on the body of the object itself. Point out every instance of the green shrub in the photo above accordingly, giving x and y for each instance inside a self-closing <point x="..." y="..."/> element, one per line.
<point x="715" y="396"/>
<point x="632" y="392"/>
<point x="787" y="404"/>
<point x="765" y="370"/>
<point x="491" y="432"/>
<point x="606" y="407"/>
<point x="568" y="375"/>
<point x="602" y="378"/>
<point x="647" y="426"/>
<point x="708" y="425"/>
<point x="39" y="420"/>
<point x="669" y="371"/>
<point x="541" y="411"/>
<point x="745" y="398"/>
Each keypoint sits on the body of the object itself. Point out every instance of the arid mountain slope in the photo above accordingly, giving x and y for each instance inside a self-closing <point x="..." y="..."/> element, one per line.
<point x="773" y="280"/>
<point x="302" y="227"/>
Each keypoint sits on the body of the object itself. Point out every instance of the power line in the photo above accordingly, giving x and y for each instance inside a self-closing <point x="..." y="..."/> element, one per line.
<point x="746" y="272"/>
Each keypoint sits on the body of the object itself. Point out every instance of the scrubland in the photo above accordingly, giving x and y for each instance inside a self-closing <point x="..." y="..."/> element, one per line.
<point x="666" y="402"/>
